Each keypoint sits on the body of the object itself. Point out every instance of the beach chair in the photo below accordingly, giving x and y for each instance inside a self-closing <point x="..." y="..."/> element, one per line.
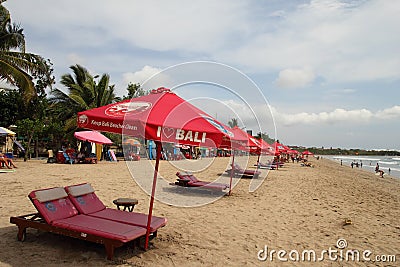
<point x="187" y="179"/>
<point x="67" y="158"/>
<point x="240" y="172"/>
<point x="57" y="214"/>
<point x="91" y="159"/>
<point x="111" y="155"/>
<point x="266" y="166"/>
<point x="87" y="202"/>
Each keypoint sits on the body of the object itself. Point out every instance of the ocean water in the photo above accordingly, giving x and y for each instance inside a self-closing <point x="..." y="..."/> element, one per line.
<point x="369" y="163"/>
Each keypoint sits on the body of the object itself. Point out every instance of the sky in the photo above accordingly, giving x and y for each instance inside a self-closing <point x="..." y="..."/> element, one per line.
<point x="322" y="73"/>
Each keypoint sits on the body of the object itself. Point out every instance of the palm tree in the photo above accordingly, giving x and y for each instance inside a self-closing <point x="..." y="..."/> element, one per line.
<point x="233" y="122"/>
<point x="83" y="93"/>
<point x="16" y="66"/>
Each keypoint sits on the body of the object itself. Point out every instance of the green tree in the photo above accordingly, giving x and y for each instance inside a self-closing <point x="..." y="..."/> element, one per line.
<point x="84" y="93"/>
<point x="265" y="137"/>
<point x="233" y="122"/>
<point x="135" y="90"/>
<point x="11" y="106"/>
<point x="16" y="66"/>
<point x="28" y="129"/>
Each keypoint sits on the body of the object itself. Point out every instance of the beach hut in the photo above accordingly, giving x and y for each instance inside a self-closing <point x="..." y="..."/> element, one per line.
<point x="161" y="116"/>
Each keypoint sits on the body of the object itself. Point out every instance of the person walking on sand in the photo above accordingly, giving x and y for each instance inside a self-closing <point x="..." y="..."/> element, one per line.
<point x="377" y="167"/>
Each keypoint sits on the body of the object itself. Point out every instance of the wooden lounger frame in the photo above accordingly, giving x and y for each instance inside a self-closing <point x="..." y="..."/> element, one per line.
<point x="35" y="221"/>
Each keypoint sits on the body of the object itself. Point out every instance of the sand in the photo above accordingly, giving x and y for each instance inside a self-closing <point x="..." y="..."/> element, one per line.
<point x="295" y="208"/>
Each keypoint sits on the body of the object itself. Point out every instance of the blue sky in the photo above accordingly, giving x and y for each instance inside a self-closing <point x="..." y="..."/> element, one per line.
<point x="329" y="69"/>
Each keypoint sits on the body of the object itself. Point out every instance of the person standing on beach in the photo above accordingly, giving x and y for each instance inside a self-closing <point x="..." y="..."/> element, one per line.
<point x="377" y="167"/>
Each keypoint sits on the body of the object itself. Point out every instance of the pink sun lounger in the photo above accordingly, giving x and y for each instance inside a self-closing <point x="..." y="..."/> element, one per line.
<point x="239" y="171"/>
<point x="187" y="179"/>
<point x="57" y="214"/>
<point x="266" y="166"/>
<point x="87" y="202"/>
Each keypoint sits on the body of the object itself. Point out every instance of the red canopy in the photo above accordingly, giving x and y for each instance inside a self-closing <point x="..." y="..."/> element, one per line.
<point x="242" y="141"/>
<point x="267" y="148"/>
<point x="307" y="153"/>
<point x="292" y="151"/>
<point x="92" y="136"/>
<point x="280" y="148"/>
<point x="161" y="116"/>
<point x="250" y="143"/>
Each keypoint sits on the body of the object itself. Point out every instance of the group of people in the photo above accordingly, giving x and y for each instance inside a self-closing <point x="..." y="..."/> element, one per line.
<point x="356" y="164"/>
<point x="7" y="162"/>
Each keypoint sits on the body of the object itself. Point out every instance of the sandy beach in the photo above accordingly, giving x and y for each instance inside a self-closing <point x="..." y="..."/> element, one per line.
<point x="295" y="208"/>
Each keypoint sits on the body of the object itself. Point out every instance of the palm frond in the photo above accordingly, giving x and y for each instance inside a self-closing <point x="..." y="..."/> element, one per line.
<point x="16" y="76"/>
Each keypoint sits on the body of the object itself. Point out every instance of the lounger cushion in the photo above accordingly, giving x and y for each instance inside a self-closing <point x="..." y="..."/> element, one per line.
<point x="132" y="218"/>
<point x="101" y="227"/>
<point x="46" y="195"/>
<point x="80" y="190"/>
<point x="84" y="198"/>
<point x="88" y="203"/>
<point x="52" y="210"/>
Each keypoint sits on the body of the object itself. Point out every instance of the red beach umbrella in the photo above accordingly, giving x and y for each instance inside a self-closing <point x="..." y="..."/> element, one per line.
<point x="161" y="116"/>
<point x="241" y="142"/>
<point x="280" y="147"/>
<point x="307" y="153"/>
<point x="131" y="141"/>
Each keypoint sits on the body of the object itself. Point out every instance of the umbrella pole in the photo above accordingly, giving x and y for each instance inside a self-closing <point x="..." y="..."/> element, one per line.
<point x="153" y="191"/>
<point x="232" y="172"/>
<point x="258" y="161"/>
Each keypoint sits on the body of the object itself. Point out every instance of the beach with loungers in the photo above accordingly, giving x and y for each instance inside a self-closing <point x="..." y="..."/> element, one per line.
<point x="295" y="208"/>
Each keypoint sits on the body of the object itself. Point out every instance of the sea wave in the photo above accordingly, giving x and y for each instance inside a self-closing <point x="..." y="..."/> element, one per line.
<point x="355" y="158"/>
<point x="388" y="162"/>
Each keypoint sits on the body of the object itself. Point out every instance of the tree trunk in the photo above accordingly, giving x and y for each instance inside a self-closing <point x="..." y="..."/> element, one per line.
<point x="37" y="147"/>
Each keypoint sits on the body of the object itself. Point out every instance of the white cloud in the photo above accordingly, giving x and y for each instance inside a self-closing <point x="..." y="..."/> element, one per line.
<point x="339" y="40"/>
<point x="389" y="113"/>
<point x="149" y="77"/>
<point x="74" y="58"/>
<point x="295" y="78"/>
<point x="140" y="76"/>
<point x="336" y="116"/>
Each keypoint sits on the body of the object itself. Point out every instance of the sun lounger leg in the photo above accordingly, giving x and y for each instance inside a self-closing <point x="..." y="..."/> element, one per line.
<point x="21" y="233"/>
<point x="109" y="250"/>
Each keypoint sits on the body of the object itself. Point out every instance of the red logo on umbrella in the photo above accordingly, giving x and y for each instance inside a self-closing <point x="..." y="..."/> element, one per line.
<point x="121" y="109"/>
<point x="83" y="120"/>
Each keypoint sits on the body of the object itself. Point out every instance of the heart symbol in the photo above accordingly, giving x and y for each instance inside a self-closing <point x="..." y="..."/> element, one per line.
<point x="168" y="132"/>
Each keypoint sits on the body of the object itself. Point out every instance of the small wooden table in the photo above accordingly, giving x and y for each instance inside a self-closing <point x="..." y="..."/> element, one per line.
<point x="127" y="203"/>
